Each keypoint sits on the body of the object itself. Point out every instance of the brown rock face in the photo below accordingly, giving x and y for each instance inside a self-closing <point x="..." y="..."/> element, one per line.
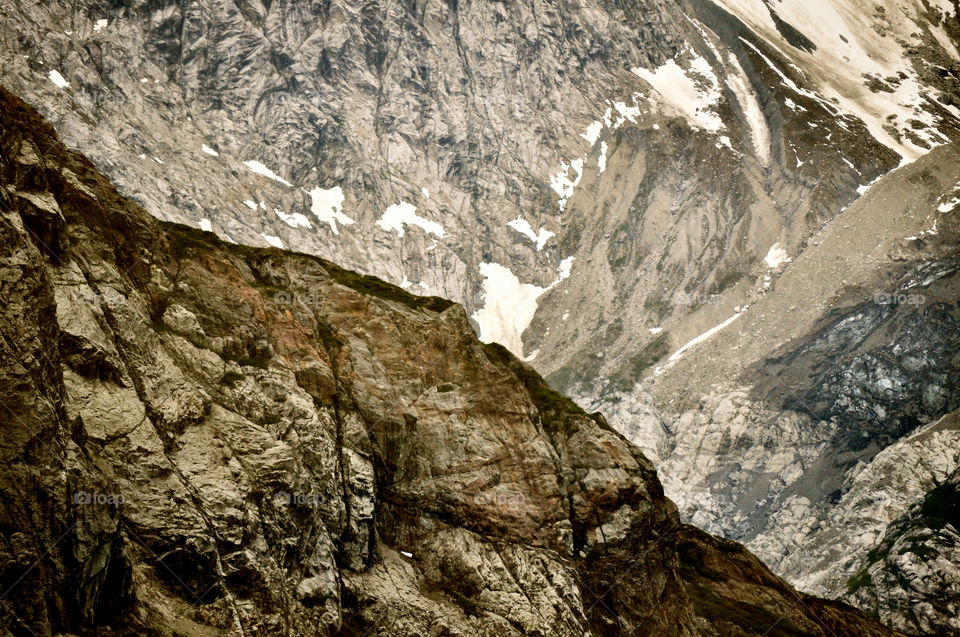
<point x="206" y="439"/>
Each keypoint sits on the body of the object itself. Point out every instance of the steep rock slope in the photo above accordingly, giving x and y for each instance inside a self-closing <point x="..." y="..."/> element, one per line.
<point x="841" y="421"/>
<point x="666" y="164"/>
<point x="208" y="439"/>
<point x="472" y="148"/>
<point x="910" y="576"/>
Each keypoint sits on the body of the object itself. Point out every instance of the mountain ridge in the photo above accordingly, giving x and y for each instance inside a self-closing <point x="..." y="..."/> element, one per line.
<point x="677" y="167"/>
<point x="184" y="456"/>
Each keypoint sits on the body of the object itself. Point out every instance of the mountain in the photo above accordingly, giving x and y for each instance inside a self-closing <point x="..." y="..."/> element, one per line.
<point x="912" y="571"/>
<point x="209" y="439"/>
<point x="728" y="225"/>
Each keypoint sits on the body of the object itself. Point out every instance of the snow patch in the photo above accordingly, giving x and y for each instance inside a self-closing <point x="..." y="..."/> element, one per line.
<point x="563" y="185"/>
<point x="252" y="205"/>
<point x="100" y="25"/>
<point x="205" y="225"/>
<point x="949" y="205"/>
<point x="787" y="81"/>
<point x="789" y="103"/>
<point x="403" y="213"/>
<point x="260" y="169"/>
<point x="327" y="205"/>
<point x="407" y="284"/>
<point x="425" y="193"/>
<point x="627" y="113"/>
<point x="593" y="132"/>
<point x="209" y="151"/>
<point x="508" y="307"/>
<point x="840" y="68"/>
<point x="295" y="220"/>
<point x="272" y="240"/>
<point x="522" y="226"/>
<point x="692" y="98"/>
<point x="58" y="80"/>
<point x="776" y="256"/>
<point x="759" y="132"/>
<point x="703" y="337"/>
<point x="861" y="190"/>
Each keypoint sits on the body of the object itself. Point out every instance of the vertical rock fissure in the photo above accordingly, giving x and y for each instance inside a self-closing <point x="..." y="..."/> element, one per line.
<point x="331" y="346"/>
<point x="155" y="418"/>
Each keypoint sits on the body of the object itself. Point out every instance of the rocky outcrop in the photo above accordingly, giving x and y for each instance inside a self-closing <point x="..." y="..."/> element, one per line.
<point x="879" y="492"/>
<point x="665" y="146"/>
<point x="842" y="422"/>
<point x="677" y="167"/>
<point x="910" y="577"/>
<point x="204" y="438"/>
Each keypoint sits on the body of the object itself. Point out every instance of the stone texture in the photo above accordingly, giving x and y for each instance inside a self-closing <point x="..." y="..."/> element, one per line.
<point x="469" y="110"/>
<point x="344" y="456"/>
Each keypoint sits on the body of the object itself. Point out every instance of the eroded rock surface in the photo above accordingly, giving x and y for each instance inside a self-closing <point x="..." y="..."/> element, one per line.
<point x="669" y="165"/>
<point x="209" y="439"/>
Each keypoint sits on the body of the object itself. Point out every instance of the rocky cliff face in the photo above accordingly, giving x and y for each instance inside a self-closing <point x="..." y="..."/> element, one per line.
<point x="910" y="576"/>
<point x="842" y="421"/>
<point x="472" y="148"/>
<point x="728" y="187"/>
<point x="833" y="428"/>
<point x="208" y="439"/>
